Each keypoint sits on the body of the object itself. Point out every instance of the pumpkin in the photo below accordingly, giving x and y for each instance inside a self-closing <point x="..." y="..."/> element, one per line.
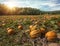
<point x="10" y="31"/>
<point x="33" y="27"/>
<point x="8" y="28"/>
<point x="51" y="35"/>
<point x="42" y="30"/>
<point x="34" y="34"/>
<point x="20" y="27"/>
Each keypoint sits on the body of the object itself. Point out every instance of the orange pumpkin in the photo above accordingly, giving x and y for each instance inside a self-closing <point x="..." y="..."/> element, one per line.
<point x="42" y="30"/>
<point x="33" y="27"/>
<point x="34" y="33"/>
<point x="8" y="28"/>
<point x="10" y="31"/>
<point x="20" y="27"/>
<point x="51" y="35"/>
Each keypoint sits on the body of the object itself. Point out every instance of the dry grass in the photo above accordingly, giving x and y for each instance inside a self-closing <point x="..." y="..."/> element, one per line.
<point x="21" y="37"/>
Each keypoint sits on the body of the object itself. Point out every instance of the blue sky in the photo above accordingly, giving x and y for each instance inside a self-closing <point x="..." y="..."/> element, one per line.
<point x="45" y="5"/>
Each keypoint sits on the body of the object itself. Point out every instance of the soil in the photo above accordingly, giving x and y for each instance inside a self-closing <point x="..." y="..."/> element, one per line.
<point x="55" y="43"/>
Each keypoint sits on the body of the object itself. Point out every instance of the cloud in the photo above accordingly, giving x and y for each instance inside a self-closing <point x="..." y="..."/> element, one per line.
<point x="50" y="5"/>
<point x="40" y="4"/>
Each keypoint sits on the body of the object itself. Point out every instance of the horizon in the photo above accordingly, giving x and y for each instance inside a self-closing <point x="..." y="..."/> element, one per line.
<point x="44" y="5"/>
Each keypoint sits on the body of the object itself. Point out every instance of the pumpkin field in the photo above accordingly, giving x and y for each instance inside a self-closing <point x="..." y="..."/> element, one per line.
<point x="29" y="30"/>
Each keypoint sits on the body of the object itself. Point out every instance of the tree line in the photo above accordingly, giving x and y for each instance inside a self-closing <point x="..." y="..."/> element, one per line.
<point x="4" y="10"/>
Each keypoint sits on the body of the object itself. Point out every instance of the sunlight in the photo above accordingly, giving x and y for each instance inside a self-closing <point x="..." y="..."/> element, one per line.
<point x="10" y="5"/>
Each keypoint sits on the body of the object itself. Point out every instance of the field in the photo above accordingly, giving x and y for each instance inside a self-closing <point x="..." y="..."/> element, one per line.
<point x="20" y="25"/>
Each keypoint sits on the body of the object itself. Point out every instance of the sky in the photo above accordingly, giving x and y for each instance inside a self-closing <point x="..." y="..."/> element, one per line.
<point x="45" y="5"/>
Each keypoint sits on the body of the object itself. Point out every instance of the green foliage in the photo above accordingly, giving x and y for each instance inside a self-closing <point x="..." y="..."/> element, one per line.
<point x="18" y="11"/>
<point x="21" y="37"/>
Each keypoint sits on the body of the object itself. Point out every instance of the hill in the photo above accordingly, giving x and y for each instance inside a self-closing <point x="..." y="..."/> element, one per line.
<point x="4" y="10"/>
<point x="17" y="11"/>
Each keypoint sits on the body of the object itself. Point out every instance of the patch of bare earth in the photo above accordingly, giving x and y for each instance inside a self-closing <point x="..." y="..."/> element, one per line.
<point x="55" y="43"/>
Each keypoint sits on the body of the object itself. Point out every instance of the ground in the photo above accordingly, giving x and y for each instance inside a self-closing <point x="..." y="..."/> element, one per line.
<point x="21" y="37"/>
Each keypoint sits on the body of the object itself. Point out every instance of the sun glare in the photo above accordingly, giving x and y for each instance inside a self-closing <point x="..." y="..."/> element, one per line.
<point x="10" y="5"/>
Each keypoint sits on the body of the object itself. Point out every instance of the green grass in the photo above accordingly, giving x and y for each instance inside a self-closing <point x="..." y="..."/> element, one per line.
<point x="21" y="38"/>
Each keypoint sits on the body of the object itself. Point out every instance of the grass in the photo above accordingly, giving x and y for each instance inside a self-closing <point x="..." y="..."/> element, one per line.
<point x="21" y="37"/>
